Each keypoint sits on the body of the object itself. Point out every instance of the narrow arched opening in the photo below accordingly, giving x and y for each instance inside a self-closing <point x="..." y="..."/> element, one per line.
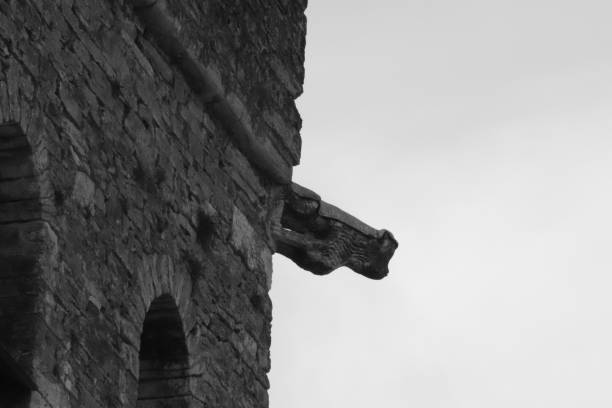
<point x="164" y="360"/>
<point x="20" y="222"/>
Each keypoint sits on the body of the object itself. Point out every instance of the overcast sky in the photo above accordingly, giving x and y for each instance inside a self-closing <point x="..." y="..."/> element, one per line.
<point x="480" y="133"/>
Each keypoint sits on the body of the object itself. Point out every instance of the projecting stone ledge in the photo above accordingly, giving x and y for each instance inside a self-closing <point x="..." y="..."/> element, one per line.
<point x="321" y="238"/>
<point x="223" y="105"/>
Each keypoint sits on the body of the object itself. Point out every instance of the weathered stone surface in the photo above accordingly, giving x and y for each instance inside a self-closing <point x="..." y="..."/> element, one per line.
<point x="227" y="106"/>
<point x="84" y="190"/>
<point x="120" y="183"/>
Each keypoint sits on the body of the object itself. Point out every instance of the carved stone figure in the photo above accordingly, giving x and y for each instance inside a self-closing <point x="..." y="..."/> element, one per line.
<point x="322" y="238"/>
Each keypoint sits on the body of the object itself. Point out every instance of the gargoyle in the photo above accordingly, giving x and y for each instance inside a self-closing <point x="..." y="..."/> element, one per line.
<point x="320" y="238"/>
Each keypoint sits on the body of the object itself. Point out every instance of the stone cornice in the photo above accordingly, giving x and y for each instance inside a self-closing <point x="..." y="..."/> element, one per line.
<point x="226" y="107"/>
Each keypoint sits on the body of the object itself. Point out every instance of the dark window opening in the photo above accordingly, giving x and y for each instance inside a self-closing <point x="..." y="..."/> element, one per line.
<point x="15" y="385"/>
<point x="164" y="363"/>
<point x="12" y="393"/>
<point x="20" y="209"/>
<point x="18" y="183"/>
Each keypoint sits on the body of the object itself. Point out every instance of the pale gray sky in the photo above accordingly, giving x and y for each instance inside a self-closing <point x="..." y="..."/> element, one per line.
<point x="480" y="133"/>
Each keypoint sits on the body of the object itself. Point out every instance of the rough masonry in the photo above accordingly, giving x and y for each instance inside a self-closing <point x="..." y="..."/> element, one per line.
<point x="146" y="150"/>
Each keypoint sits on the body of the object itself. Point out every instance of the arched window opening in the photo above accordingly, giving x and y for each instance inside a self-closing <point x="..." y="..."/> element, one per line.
<point x="20" y="215"/>
<point x="164" y="361"/>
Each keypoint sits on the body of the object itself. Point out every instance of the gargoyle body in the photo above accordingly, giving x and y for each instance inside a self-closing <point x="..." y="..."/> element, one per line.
<point x="321" y="238"/>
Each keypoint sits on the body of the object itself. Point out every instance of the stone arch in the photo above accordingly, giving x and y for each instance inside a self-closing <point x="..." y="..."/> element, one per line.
<point x="164" y="358"/>
<point x="23" y="239"/>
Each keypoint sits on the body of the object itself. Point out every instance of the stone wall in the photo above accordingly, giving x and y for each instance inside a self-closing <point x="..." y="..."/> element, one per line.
<point x="119" y="190"/>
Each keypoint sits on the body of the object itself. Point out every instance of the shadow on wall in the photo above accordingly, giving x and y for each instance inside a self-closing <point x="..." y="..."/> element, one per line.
<point x="14" y="384"/>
